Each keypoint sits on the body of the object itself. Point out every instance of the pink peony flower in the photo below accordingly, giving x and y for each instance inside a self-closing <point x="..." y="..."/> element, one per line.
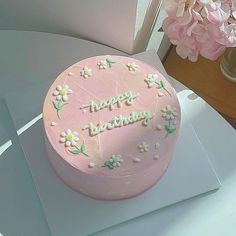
<point x="203" y="27"/>
<point x="217" y="12"/>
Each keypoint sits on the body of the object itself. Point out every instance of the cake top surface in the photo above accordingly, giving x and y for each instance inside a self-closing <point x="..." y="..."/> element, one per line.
<point x="111" y="115"/>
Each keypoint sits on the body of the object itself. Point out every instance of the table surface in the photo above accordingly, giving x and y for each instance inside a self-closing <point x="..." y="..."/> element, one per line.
<point x="212" y="214"/>
<point x="205" y="78"/>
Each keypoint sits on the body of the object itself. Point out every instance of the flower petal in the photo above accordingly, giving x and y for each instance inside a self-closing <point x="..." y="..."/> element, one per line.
<point x="65" y="98"/>
<point x="68" y="144"/>
<point x="55" y="93"/>
<point x="73" y="143"/>
<point x="68" y="131"/>
<point x="62" y="140"/>
<point x="59" y="87"/>
<point x="63" y="134"/>
<point x="59" y="97"/>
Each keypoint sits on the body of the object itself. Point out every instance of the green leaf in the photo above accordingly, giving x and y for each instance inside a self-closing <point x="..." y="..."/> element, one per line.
<point x="59" y="105"/>
<point x="55" y="104"/>
<point x="75" y="151"/>
<point x="83" y="148"/>
<point x="170" y="129"/>
<point x="108" y="164"/>
<point x="109" y="62"/>
<point x="162" y="84"/>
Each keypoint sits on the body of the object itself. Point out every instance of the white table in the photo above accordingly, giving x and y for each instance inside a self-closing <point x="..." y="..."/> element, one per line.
<point x="213" y="214"/>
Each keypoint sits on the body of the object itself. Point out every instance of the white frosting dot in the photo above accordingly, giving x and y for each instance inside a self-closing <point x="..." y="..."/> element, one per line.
<point x="160" y="94"/>
<point x="159" y="127"/>
<point x="157" y="145"/>
<point x="84" y="111"/>
<point x="156" y="157"/>
<point x="70" y="73"/>
<point x="53" y="123"/>
<point x="136" y="160"/>
<point x="91" y="165"/>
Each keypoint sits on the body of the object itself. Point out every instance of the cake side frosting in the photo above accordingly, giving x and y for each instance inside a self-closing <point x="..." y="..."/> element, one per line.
<point x="112" y="116"/>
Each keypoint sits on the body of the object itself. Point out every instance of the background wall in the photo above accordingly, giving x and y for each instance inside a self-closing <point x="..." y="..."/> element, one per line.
<point x="125" y="25"/>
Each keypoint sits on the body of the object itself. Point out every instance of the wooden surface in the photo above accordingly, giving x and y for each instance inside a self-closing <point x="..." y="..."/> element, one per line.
<point x="205" y="79"/>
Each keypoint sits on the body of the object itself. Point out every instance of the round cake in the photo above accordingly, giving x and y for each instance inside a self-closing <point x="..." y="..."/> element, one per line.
<point x="111" y="125"/>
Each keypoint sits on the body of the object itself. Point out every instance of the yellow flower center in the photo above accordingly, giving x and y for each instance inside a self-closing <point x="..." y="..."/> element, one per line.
<point x="63" y="92"/>
<point x="69" y="137"/>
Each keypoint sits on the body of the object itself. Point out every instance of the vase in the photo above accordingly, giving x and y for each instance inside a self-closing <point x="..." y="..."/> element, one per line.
<point x="228" y="64"/>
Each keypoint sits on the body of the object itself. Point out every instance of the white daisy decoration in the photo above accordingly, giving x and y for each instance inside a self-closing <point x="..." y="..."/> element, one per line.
<point x="151" y="80"/>
<point x="114" y="161"/>
<point x="143" y="147"/>
<point x="103" y="64"/>
<point x="132" y="66"/>
<point x="62" y="92"/>
<point x="169" y="113"/>
<point x="69" y="138"/>
<point x="86" y="72"/>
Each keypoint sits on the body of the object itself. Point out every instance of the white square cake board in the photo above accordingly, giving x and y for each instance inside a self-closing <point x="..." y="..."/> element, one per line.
<point x="71" y="214"/>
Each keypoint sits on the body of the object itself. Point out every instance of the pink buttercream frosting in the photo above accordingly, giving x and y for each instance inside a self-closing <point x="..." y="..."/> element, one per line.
<point x="88" y="173"/>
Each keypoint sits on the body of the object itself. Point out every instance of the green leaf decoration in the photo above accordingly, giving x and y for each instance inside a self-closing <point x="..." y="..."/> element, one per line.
<point x="83" y="148"/>
<point x="170" y="129"/>
<point x="162" y="84"/>
<point x="109" y="62"/>
<point x="75" y="151"/>
<point x="108" y="164"/>
<point x="79" y="150"/>
<point x="58" y="105"/>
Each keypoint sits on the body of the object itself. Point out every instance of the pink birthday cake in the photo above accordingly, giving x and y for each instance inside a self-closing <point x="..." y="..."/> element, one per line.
<point x="111" y="125"/>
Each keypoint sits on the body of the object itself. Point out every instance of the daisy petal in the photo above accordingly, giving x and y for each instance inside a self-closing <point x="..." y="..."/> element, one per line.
<point x="65" y="98"/>
<point x="68" y="131"/>
<point x="68" y="143"/>
<point x="59" y="87"/>
<point x="59" y="97"/>
<point x="62" y="140"/>
<point x="63" y="134"/>
<point x="55" y="93"/>
<point x="73" y="143"/>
